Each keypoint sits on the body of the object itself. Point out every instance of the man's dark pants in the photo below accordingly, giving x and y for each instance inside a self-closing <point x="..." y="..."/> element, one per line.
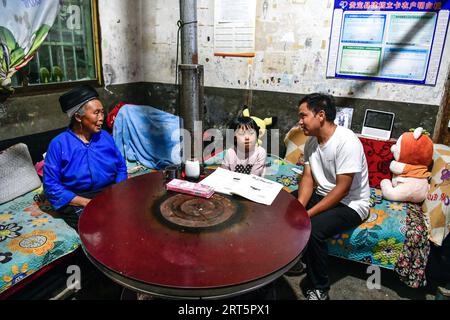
<point x="325" y="225"/>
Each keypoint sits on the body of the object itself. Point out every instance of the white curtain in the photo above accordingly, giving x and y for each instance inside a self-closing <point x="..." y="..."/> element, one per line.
<point x="24" y="25"/>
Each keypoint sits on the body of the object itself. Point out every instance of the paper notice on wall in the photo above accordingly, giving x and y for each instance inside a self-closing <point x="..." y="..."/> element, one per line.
<point x="399" y="41"/>
<point x="234" y="27"/>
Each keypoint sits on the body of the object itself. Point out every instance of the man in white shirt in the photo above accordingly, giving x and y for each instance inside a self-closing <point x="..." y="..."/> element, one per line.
<point x="335" y="185"/>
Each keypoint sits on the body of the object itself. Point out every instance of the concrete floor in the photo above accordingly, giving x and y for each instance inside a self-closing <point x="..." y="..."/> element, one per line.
<point x="348" y="282"/>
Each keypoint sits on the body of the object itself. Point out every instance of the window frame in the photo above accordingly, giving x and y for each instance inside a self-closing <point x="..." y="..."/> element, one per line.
<point x="36" y="89"/>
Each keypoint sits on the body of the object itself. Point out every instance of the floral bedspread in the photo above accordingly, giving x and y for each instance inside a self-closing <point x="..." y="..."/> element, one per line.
<point x="393" y="237"/>
<point x="31" y="237"/>
<point x="32" y="234"/>
<point x="378" y="240"/>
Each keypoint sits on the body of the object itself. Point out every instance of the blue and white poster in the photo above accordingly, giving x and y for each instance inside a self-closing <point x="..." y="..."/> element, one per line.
<point x="399" y="41"/>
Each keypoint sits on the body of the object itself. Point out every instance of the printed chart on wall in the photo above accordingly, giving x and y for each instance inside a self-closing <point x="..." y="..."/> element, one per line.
<point x="398" y="41"/>
<point x="234" y="28"/>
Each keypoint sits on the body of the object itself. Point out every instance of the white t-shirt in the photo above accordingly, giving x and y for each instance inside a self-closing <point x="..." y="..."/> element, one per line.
<point x="342" y="153"/>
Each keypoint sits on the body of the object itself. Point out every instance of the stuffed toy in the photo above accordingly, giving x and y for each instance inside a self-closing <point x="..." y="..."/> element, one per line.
<point x="262" y="124"/>
<point x="413" y="153"/>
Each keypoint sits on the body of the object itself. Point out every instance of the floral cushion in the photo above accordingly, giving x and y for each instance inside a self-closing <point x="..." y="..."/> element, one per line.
<point x="393" y="237"/>
<point x="31" y="237"/>
<point x="379" y="156"/>
<point x="378" y="240"/>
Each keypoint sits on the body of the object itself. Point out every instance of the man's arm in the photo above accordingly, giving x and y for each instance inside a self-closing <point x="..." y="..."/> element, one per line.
<point x="342" y="188"/>
<point x="306" y="186"/>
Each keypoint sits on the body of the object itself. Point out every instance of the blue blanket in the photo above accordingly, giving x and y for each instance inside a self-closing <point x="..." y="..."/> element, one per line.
<point x="147" y="135"/>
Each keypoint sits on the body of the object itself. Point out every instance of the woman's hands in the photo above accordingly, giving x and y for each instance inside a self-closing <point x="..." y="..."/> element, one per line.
<point x="79" y="201"/>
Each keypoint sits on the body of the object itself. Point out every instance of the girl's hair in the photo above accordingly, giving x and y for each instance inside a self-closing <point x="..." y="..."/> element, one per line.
<point x="244" y="122"/>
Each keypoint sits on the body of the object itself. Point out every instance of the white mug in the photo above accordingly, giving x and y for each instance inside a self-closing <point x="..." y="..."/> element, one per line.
<point x="192" y="169"/>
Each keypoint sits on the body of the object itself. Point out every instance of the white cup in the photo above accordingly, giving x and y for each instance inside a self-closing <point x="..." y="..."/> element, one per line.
<point x="192" y="169"/>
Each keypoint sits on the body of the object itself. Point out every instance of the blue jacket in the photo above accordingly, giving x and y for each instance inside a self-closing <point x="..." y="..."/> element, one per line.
<point x="72" y="167"/>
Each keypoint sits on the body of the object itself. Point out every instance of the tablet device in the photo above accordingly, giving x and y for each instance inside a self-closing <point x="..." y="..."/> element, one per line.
<point x="378" y="124"/>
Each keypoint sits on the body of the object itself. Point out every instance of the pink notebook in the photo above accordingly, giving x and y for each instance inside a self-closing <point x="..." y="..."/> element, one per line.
<point x="195" y="189"/>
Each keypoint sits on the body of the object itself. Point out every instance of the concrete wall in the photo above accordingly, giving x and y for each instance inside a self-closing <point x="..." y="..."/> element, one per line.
<point x="120" y="24"/>
<point x="138" y="43"/>
<point x="292" y="41"/>
<point x="25" y="115"/>
<point x="222" y="104"/>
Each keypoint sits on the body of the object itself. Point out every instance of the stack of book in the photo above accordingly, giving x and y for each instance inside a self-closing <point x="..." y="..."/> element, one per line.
<point x="195" y="189"/>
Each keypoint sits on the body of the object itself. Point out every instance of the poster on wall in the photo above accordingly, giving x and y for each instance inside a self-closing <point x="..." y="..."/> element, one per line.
<point x="344" y="117"/>
<point x="397" y="41"/>
<point x="234" y="28"/>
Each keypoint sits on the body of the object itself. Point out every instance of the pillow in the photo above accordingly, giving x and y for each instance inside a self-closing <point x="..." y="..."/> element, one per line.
<point x="295" y="145"/>
<point x="437" y="204"/>
<point x="17" y="173"/>
<point x="379" y="156"/>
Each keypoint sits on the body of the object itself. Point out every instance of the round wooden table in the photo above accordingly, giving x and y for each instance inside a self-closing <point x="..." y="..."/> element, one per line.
<point x="125" y="234"/>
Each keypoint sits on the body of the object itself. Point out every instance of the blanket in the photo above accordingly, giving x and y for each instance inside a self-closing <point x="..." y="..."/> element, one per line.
<point x="31" y="237"/>
<point x="147" y="135"/>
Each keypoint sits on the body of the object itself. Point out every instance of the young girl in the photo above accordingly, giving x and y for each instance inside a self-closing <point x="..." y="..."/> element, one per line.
<point x="246" y="156"/>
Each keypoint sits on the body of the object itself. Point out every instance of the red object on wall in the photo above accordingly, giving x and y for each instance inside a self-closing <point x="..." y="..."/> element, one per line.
<point x="379" y="157"/>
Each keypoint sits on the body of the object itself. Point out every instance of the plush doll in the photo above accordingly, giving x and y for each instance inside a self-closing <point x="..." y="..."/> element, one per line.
<point x="262" y="124"/>
<point x="413" y="153"/>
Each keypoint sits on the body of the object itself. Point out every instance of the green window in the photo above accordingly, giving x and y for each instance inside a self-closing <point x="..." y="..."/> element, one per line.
<point x="69" y="52"/>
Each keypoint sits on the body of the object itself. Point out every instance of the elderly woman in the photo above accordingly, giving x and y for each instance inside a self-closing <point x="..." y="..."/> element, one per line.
<point x="84" y="159"/>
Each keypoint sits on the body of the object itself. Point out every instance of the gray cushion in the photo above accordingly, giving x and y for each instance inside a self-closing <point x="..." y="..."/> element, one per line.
<point x="17" y="173"/>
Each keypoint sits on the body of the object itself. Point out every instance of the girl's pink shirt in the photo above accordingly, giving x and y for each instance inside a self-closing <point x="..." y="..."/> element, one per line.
<point x="256" y="158"/>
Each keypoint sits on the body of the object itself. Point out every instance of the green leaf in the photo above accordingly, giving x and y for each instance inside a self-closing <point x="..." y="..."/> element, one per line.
<point x="16" y="53"/>
<point x="40" y="34"/>
<point x="7" y="38"/>
<point x="3" y="66"/>
<point x="17" y="57"/>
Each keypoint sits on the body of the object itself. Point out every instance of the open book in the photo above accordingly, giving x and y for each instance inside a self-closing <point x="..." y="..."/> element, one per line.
<point x="252" y="187"/>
